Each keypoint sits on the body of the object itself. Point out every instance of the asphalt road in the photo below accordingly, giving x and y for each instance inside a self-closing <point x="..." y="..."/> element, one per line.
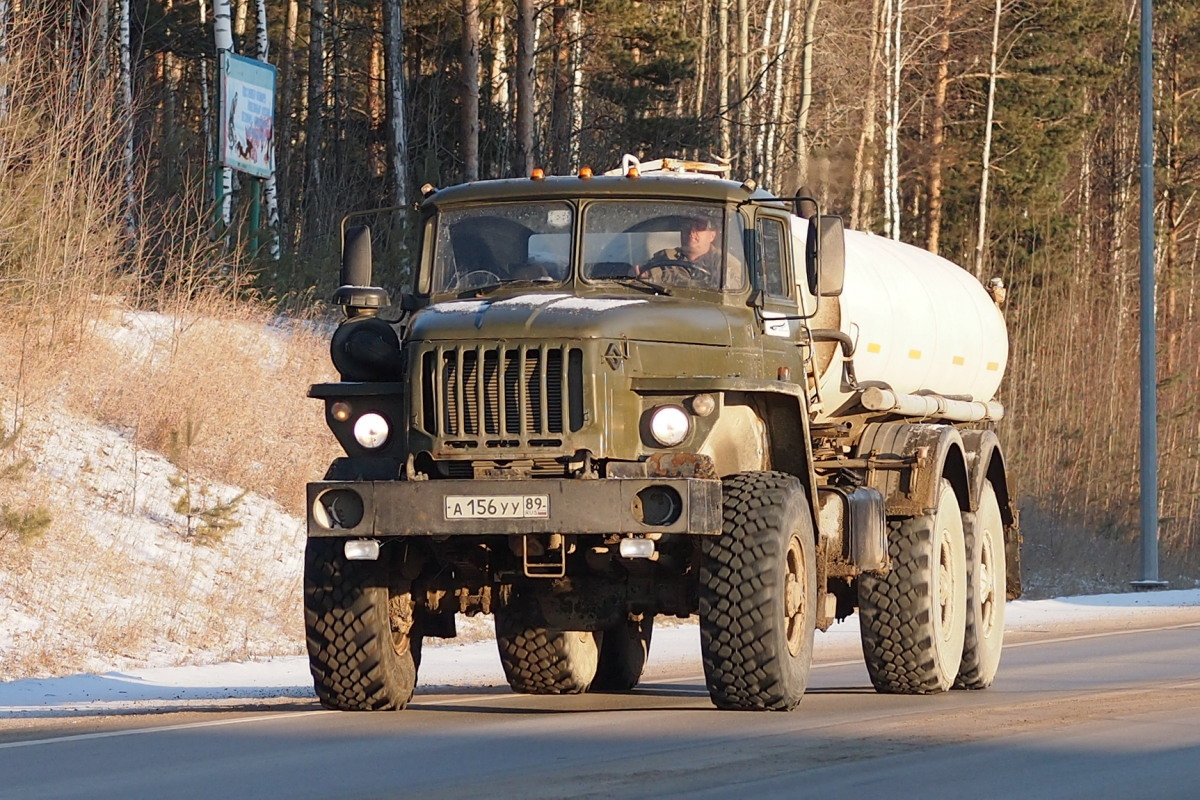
<point x="1073" y="714"/>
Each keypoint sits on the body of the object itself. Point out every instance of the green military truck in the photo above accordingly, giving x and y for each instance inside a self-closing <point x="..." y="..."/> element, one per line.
<point x="659" y="391"/>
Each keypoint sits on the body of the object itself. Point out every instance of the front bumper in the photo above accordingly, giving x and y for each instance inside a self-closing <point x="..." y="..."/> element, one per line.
<point x="419" y="508"/>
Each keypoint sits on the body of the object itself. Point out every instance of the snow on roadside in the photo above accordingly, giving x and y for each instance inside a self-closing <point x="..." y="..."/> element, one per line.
<point x="121" y="568"/>
<point x="118" y="581"/>
<point x="472" y="665"/>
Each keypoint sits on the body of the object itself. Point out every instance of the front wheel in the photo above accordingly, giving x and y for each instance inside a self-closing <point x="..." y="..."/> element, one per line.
<point x="363" y="648"/>
<point x="913" y="617"/>
<point x="758" y="595"/>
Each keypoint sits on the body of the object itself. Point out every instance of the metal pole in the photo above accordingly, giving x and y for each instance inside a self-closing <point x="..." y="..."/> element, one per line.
<point x="255" y="214"/>
<point x="1149" y="376"/>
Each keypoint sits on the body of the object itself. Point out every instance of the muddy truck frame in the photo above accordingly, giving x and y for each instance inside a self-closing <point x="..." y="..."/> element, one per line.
<point x="571" y="423"/>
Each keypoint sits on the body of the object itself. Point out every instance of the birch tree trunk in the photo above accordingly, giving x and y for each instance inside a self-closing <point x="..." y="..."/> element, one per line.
<point x="397" y="108"/>
<point x="270" y="187"/>
<point x="376" y="83"/>
<point x="315" y="123"/>
<point x="127" y="119"/>
<point x="575" y="28"/>
<point x="759" y="140"/>
<point x="806" y="82"/>
<point x="223" y="39"/>
<point x="743" y="89"/>
<point x="723" y="78"/>
<point x="499" y="71"/>
<point x="775" y="122"/>
<point x="205" y="100"/>
<point x="937" y="133"/>
<point x="470" y="98"/>
<point x="863" y="183"/>
<point x="891" y="170"/>
<point x="526" y="24"/>
<point x="981" y="233"/>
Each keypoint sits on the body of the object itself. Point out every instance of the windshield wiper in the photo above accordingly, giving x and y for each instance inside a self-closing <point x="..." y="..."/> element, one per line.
<point x="639" y="282"/>
<point x="491" y="287"/>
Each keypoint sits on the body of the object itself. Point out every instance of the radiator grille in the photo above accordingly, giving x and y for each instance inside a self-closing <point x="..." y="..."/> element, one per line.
<point x="520" y="395"/>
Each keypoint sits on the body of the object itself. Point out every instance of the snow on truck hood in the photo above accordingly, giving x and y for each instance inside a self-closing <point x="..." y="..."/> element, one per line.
<point x="561" y="315"/>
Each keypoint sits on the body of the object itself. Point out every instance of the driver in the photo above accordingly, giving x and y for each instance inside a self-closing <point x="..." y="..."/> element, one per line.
<point x="696" y="261"/>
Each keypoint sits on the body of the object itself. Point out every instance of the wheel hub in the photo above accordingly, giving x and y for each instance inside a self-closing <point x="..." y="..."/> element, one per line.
<point x="794" y="591"/>
<point x="945" y="590"/>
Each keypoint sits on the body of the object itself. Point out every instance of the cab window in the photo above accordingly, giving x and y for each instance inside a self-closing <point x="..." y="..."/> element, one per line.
<point x="772" y="259"/>
<point x="500" y="243"/>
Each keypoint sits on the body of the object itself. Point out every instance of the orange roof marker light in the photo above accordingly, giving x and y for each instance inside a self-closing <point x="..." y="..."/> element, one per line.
<point x="538" y="174"/>
<point x="633" y="172"/>
<point x="585" y="173"/>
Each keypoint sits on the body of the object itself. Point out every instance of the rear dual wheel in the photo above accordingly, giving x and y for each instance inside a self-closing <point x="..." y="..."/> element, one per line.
<point x="986" y="588"/>
<point x="913" y="618"/>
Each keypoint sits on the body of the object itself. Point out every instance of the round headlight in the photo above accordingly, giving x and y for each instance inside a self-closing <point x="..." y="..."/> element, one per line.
<point x="371" y="430"/>
<point x="669" y="425"/>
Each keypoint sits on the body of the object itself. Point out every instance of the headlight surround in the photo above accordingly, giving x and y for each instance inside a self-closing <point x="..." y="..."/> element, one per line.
<point x="669" y="425"/>
<point x="371" y="430"/>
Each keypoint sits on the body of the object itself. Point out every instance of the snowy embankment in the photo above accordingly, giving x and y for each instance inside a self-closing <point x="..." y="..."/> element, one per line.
<point x="476" y="666"/>
<point x="151" y="430"/>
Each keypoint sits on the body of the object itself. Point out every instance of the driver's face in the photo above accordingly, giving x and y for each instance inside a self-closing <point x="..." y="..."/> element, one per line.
<point x="696" y="240"/>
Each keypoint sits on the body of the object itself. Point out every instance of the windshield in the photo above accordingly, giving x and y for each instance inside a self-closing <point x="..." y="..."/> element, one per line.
<point x="498" y="243"/>
<point x="692" y="245"/>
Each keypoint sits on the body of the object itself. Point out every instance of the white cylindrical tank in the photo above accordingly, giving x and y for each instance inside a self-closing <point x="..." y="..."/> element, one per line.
<point x="919" y="323"/>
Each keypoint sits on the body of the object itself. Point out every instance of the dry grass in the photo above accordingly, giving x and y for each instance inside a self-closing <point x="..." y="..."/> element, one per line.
<point x="104" y="581"/>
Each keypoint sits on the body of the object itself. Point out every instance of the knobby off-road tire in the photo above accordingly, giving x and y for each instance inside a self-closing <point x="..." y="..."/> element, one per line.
<point x="758" y="595"/>
<point x="363" y="651"/>
<point x="913" y="618"/>
<point x="543" y="660"/>
<point x="623" y="653"/>
<point x="986" y="586"/>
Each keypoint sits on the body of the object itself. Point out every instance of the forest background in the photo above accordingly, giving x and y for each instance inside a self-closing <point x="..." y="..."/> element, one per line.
<point x="1002" y="134"/>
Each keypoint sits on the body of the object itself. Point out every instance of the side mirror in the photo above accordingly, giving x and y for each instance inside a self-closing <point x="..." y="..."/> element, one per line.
<point x="356" y="295"/>
<point x="825" y="255"/>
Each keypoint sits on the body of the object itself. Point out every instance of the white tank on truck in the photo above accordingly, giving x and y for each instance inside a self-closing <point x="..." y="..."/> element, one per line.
<point x="924" y="337"/>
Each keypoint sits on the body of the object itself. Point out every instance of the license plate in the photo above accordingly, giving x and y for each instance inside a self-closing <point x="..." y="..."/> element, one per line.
<point x="497" y="506"/>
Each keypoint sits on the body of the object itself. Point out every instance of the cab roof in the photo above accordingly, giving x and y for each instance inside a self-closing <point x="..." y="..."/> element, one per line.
<point x="652" y="186"/>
